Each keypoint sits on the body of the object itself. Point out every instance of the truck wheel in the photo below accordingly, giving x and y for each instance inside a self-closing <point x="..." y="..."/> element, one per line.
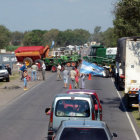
<point x="128" y="103"/>
<point x="73" y="64"/>
<point x="40" y="62"/>
<point x="28" y="61"/>
<point x="68" y="64"/>
<point x="53" y="69"/>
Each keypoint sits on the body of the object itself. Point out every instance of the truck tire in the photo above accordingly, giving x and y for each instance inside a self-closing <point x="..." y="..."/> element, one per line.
<point x="128" y="102"/>
<point x="40" y="62"/>
<point x="53" y="69"/>
<point x="28" y="61"/>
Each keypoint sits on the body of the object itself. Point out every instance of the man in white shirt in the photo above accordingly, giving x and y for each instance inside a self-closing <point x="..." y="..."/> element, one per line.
<point x="59" y="72"/>
<point x="34" y="69"/>
<point x="43" y="70"/>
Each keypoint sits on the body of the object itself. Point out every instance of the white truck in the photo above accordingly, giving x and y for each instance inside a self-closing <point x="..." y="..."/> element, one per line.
<point x="128" y="68"/>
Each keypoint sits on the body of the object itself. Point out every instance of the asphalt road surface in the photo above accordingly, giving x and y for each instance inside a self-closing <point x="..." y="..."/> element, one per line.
<point x="25" y="119"/>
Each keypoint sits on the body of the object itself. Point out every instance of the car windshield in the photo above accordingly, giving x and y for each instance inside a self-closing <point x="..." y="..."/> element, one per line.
<point x="72" y="108"/>
<point x="83" y="134"/>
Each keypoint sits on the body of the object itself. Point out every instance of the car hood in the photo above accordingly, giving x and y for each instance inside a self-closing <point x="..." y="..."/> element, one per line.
<point x="2" y="71"/>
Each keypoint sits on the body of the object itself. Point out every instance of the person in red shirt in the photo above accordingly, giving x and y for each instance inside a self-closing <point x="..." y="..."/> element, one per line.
<point x="76" y="78"/>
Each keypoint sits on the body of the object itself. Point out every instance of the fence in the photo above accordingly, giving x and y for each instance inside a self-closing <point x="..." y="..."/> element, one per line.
<point x="8" y="59"/>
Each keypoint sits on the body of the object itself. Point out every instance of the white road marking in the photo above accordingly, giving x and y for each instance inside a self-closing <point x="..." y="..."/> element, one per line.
<point x="129" y="119"/>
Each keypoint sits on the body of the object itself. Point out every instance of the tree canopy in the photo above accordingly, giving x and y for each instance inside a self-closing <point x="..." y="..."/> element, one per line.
<point x="127" y="18"/>
<point x="33" y="38"/>
<point x="5" y="36"/>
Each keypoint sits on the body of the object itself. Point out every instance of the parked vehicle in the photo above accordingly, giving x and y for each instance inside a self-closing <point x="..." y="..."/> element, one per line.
<point x="128" y="68"/>
<point x="69" y="107"/>
<point x="52" y="63"/>
<point x="4" y="75"/>
<point x="40" y="54"/>
<point x="30" y="54"/>
<point x="71" y="58"/>
<point x="102" y="56"/>
<point x="83" y="130"/>
<point x="94" y="96"/>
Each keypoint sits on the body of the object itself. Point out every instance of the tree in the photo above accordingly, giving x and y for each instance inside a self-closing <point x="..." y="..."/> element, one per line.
<point x="17" y="38"/>
<point x="50" y="36"/>
<point x="127" y="18"/>
<point x="97" y="35"/>
<point x="109" y="38"/>
<point x="82" y="36"/>
<point x="33" y="38"/>
<point x="4" y="37"/>
<point x="72" y="37"/>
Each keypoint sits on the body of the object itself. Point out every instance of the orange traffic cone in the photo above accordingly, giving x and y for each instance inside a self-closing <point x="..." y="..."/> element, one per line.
<point x="89" y="77"/>
<point x="70" y="87"/>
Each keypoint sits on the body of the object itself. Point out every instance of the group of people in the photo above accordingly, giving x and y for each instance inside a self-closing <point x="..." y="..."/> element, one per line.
<point x="74" y="76"/>
<point x="34" y="69"/>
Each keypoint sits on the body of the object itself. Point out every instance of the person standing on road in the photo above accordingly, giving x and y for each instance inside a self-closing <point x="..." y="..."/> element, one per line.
<point x="72" y="77"/>
<point x="25" y="74"/>
<point x="22" y="68"/>
<point x="9" y="69"/>
<point x="43" y="71"/>
<point x="76" y="77"/>
<point x="34" y="69"/>
<point x="65" y="77"/>
<point x="59" y="72"/>
<point x="82" y="77"/>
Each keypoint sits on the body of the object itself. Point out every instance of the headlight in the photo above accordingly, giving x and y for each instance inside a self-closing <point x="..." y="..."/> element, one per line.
<point x="6" y="72"/>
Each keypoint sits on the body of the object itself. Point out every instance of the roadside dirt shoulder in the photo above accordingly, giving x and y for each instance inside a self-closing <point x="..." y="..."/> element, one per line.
<point x="10" y="90"/>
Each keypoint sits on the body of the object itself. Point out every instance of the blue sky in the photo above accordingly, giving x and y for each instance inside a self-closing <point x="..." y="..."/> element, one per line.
<point x="24" y="15"/>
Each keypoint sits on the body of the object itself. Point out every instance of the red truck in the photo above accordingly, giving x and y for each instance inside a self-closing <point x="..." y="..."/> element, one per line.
<point x="30" y="54"/>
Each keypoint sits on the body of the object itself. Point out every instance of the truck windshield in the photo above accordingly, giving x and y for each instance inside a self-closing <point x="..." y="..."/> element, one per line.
<point x="92" y="51"/>
<point x="72" y="108"/>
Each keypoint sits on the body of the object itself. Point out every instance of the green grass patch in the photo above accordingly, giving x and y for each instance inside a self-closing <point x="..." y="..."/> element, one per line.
<point x="135" y="114"/>
<point x="14" y="76"/>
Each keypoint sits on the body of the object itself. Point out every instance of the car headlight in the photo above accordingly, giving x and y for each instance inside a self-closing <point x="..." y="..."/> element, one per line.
<point x="6" y="72"/>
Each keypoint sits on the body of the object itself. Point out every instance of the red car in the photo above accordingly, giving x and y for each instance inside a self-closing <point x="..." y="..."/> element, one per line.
<point x="97" y="102"/>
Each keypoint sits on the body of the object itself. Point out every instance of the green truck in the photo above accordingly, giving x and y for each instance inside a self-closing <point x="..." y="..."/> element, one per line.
<point x="102" y="56"/>
<point x="69" y="61"/>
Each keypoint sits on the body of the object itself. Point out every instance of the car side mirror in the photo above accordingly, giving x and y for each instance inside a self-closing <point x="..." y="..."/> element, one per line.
<point x="114" y="135"/>
<point x="48" y="111"/>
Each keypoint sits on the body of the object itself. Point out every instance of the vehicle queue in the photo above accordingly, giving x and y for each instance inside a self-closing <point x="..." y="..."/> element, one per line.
<point x="77" y="114"/>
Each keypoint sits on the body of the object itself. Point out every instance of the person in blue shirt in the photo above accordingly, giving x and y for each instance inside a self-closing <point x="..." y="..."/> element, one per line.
<point x="22" y="70"/>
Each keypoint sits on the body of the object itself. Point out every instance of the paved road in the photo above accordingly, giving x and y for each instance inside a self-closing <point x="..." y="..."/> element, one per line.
<point x="24" y="118"/>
